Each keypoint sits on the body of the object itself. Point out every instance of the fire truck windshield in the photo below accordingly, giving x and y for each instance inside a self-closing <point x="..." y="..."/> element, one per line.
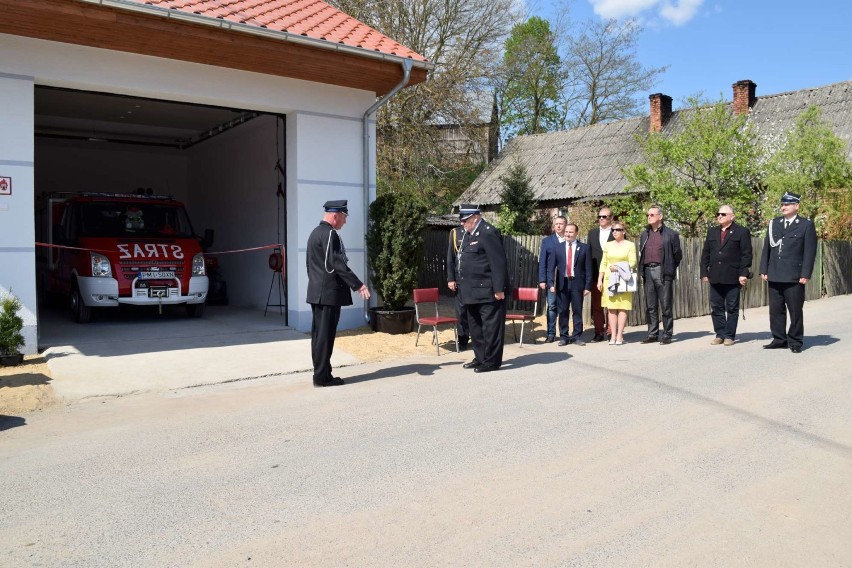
<point x="133" y="219"/>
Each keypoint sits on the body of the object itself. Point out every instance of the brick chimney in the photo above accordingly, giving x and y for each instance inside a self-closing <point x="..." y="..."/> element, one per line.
<point x="743" y="96"/>
<point x="661" y="110"/>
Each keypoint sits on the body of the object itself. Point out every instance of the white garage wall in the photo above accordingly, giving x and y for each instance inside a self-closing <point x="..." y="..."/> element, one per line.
<point x="323" y="133"/>
<point x="233" y="184"/>
<point x="75" y="166"/>
<point x="17" y="222"/>
<point x="325" y="152"/>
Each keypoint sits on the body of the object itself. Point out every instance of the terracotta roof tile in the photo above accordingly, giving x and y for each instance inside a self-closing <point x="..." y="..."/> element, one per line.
<point x="309" y="18"/>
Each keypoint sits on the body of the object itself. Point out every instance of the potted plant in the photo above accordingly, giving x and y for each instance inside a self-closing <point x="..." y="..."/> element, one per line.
<point x="394" y="250"/>
<point x="11" y="324"/>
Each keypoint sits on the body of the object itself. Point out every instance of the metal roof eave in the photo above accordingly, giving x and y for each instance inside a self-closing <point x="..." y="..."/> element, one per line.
<point x="171" y="14"/>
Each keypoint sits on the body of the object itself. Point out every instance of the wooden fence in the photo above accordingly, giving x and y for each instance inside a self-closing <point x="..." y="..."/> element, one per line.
<point x="832" y="274"/>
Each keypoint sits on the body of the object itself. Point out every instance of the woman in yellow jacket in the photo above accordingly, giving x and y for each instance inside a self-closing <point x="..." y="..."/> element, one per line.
<point x="615" y="252"/>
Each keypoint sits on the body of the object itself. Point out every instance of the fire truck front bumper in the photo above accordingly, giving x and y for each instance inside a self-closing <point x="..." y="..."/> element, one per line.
<point x="103" y="292"/>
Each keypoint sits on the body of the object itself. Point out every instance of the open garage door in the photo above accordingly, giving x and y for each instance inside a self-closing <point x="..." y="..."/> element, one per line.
<point x="226" y="166"/>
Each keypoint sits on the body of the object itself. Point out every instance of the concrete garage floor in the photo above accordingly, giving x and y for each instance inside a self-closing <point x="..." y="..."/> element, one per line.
<point x="131" y="350"/>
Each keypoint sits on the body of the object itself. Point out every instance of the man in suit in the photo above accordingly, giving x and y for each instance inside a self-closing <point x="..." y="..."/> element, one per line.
<point x="569" y="276"/>
<point x="462" y="328"/>
<point x="597" y="238"/>
<point x="787" y="262"/>
<point x="330" y="286"/>
<point x="659" y="257"/>
<point x="482" y="281"/>
<point x="725" y="265"/>
<point x="548" y="245"/>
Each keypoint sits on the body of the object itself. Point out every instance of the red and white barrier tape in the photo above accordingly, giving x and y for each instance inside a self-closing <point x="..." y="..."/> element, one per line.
<point x="264" y="247"/>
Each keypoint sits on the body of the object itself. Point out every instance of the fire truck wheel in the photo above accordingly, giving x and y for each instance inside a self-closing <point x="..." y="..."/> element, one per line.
<point x="195" y="310"/>
<point x="82" y="312"/>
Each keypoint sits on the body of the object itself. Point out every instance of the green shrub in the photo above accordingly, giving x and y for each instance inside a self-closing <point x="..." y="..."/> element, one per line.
<point x="394" y="246"/>
<point x="11" y="324"/>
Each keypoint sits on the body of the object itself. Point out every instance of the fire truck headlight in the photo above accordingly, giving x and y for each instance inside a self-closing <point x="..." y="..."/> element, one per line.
<point x="198" y="265"/>
<point x="100" y="266"/>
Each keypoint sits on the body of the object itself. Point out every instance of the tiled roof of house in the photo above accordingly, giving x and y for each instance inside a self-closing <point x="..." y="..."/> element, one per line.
<point x="586" y="162"/>
<point x="309" y="18"/>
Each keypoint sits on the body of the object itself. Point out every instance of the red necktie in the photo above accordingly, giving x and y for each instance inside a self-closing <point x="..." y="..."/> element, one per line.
<point x="724" y="235"/>
<point x="570" y="261"/>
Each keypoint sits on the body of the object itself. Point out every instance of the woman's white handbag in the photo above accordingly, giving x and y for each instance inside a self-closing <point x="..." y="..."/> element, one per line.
<point x="628" y="286"/>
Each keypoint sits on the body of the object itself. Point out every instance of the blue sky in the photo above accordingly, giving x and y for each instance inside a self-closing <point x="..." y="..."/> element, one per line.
<point x="782" y="45"/>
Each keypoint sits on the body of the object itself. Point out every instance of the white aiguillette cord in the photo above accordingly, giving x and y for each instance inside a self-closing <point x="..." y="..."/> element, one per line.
<point x="328" y="248"/>
<point x="461" y="247"/>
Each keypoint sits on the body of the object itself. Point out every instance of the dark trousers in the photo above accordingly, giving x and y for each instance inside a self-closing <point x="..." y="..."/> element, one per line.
<point x="570" y="299"/>
<point x="552" y="312"/>
<point x="598" y="315"/>
<point x="462" y="327"/>
<point x="786" y="297"/>
<point x="725" y="309"/>
<point x="487" y="329"/>
<point x="323" y="331"/>
<point x="658" y="294"/>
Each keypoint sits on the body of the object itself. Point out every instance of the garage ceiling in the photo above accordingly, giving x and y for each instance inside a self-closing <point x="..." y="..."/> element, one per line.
<point x="84" y="115"/>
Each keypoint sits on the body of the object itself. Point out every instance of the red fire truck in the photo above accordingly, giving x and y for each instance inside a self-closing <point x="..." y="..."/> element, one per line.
<point x="123" y="249"/>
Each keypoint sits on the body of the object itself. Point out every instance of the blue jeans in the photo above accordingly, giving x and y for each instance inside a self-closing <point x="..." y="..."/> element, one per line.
<point x="552" y="311"/>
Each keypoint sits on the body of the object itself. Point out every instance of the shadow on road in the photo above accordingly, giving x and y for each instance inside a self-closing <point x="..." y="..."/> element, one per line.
<point x="9" y="422"/>
<point x="420" y="369"/>
<point x="535" y="359"/>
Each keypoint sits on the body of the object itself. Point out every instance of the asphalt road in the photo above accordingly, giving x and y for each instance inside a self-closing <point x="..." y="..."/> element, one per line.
<point x="638" y="455"/>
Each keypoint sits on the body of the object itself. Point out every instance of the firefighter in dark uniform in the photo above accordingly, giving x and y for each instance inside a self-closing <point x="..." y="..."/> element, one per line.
<point x="330" y="286"/>
<point x="787" y="262"/>
<point x="482" y="281"/>
<point x="462" y="328"/>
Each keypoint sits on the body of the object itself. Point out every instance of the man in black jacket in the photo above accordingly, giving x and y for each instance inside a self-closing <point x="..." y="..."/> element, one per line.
<point x="659" y="257"/>
<point x="330" y="286"/>
<point x="787" y="262"/>
<point x="597" y="238"/>
<point x="482" y="281"/>
<point x="725" y="264"/>
<point x="462" y="328"/>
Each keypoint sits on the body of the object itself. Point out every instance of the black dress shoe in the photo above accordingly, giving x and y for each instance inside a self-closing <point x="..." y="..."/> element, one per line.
<point x="649" y="340"/>
<point x="472" y="365"/>
<point x="332" y="382"/>
<point x="666" y="341"/>
<point x="598" y="338"/>
<point x="563" y="342"/>
<point x="579" y="342"/>
<point x="485" y="369"/>
<point x="796" y="349"/>
<point x="550" y="339"/>
<point x="462" y="346"/>
<point x="776" y="345"/>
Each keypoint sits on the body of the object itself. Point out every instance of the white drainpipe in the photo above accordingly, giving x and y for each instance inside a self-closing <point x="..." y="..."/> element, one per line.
<point x="406" y="75"/>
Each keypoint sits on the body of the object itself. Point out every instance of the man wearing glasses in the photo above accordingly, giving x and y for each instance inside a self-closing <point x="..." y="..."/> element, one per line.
<point x="725" y="265"/>
<point x="659" y="257"/>
<point x="786" y="263"/>
<point x="597" y="238"/>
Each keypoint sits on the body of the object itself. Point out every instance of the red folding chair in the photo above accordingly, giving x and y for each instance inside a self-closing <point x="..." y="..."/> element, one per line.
<point x="423" y="297"/>
<point x="514" y="315"/>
